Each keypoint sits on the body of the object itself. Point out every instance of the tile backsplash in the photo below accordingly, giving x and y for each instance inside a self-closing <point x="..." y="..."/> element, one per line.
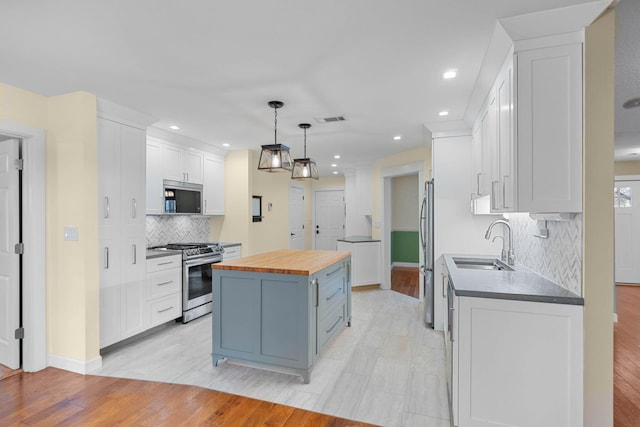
<point x="177" y="229"/>
<point x="558" y="258"/>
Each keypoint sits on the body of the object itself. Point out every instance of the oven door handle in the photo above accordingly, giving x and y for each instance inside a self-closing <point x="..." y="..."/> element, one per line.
<point x="201" y="261"/>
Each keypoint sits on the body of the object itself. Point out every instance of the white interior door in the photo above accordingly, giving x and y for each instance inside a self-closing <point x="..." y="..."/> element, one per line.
<point x="627" y="237"/>
<point x="296" y="217"/>
<point x="9" y="260"/>
<point x="329" y="214"/>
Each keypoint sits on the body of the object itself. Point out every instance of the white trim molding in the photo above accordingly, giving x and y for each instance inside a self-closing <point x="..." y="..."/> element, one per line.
<point x="74" y="365"/>
<point x="404" y="264"/>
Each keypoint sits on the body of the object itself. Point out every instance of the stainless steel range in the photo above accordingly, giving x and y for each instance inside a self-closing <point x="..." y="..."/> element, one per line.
<point x="197" y="276"/>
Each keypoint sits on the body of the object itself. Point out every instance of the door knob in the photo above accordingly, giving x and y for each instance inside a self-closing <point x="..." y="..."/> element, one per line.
<point x="293" y="234"/>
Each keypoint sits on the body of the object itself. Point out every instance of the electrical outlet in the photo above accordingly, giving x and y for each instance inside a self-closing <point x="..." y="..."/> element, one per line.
<point x="71" y="233"/>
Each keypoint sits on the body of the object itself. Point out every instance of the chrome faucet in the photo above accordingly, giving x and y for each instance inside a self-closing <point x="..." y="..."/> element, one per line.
<point x="510" y="256"/>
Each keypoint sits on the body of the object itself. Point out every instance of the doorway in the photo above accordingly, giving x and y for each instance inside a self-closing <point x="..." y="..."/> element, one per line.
<point x="404" y="235"/>
<point x="296" y="217"/>
<point x="627" y="229"/>
<point x="329" y="215"/>
<point x="10" y="256"/>
<point x="32" y="303"/>
<point x="416" y="169"/>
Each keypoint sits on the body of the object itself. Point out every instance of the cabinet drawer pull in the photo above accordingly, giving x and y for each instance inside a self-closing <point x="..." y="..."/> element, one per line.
<point x="165" y="263"/>
<point x="334" y="325"/>
<point x="334" y="271"/>
<point x="317" y="285"/>
<point x="106" y="258"/>
<point x="165" y="309"/>
<point x="334" y="294"/>
<point x="478" y="182"/>
<point x="164" y="283"/>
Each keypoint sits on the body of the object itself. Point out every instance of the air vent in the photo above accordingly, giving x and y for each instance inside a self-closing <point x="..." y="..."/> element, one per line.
<point x="331" y="119"/>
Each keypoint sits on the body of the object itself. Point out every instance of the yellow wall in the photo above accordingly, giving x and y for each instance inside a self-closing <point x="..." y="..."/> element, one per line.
<point x="405" y="205"/>
<point x="598" y="221"/>
<point x="72" y="193"/>
<point x="69" y="122"/>
<point x="403" y="158"/>
<point x="627" y="168"/>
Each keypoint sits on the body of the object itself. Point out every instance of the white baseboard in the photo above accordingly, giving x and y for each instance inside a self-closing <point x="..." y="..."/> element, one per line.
<point x="405" y="264"/>
<point x="74" y="365"/>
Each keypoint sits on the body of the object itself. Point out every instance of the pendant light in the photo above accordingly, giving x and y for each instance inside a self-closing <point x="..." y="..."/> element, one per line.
<point x="306" y="167"/>
<point x="275" y="157"/>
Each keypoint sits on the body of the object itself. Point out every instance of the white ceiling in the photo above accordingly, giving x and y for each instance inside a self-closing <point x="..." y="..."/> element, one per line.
<point x="211" y="66"/>
<point x="627" y="79"/>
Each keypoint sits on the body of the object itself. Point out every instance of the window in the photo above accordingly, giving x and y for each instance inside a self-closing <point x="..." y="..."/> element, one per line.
<point x="622" y="197"/>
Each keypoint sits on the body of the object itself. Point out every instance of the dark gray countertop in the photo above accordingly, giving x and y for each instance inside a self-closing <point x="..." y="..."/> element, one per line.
<point x="358" y="239"/>
<point x="521" y="284"/>
<point x="157" y="253"/>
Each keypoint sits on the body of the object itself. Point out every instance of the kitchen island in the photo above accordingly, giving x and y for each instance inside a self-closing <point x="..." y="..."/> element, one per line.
<point x="281" y="308"/>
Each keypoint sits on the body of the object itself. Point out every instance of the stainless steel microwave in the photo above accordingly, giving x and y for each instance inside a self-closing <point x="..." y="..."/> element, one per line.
<point x="182" y="198"/>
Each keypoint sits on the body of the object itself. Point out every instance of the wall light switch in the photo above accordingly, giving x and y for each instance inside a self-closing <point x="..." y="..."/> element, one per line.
<point x="71" y="233"/>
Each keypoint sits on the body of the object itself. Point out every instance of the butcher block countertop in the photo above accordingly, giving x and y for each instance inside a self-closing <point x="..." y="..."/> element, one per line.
<point x="285" y="261"/>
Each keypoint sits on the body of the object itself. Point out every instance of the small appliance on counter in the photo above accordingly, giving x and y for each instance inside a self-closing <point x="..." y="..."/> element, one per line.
<point x="196" y="276"/>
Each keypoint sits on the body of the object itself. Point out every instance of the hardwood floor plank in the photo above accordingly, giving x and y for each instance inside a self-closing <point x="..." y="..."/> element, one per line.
<point x="406" y="280"/>
<point x="55" y="397"/>
<point x="626" y="379"/>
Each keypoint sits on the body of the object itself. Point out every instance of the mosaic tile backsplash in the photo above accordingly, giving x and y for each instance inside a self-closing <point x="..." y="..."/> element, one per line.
<point x="177" y="229"/>
<point x="558" y="258"/>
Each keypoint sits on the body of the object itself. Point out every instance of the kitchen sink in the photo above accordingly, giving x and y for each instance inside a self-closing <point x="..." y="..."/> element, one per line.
<point x="482" y="264"/>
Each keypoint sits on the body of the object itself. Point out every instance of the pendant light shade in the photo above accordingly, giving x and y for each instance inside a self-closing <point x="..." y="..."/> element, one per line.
<point x="275" y="157"/>
<point x="304" y="168"/>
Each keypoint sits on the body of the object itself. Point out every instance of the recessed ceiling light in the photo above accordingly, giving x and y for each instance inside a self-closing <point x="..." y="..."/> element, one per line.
<point x="335" y="172"/>
<point x="443" y="113"/>
<point x="226" y="144"/>
<point x="174" y="127"/>
<point x="333" y="165"/>
<point x="397" y="138"/>
<point x="449" y="74"/>
<point x="337" y="156"/>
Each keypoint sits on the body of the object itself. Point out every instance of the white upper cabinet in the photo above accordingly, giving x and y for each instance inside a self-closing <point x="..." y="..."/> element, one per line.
<point x="213" y="187"/>
<point x="549" y="131"/>
<point x="528" y="137"/>
<point x="363" y="184"/>
<point x="182" y="165"/>
<point x="155" y="190"/>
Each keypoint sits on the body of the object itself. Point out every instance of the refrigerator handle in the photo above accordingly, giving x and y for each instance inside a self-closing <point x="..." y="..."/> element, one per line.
<point x="422" y="221"/>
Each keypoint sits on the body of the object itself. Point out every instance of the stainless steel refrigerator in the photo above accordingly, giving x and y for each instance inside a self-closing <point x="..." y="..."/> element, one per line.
<point x="426" y="240"/>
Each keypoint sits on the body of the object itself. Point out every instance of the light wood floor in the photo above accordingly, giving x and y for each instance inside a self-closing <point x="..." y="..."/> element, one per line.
<point x="406" y="280"/>
<point x="55" y="397"/>
<point x="626" y="382"/>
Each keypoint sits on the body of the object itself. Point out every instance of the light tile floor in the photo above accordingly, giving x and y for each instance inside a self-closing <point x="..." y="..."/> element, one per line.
<point x="386" y="369"/>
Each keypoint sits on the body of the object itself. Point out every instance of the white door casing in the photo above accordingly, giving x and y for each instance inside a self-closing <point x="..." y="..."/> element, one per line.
<point x="627" y="236"/>
<point x="329" y="218"/>
<point x="296" y="217"/>
<point x="9" y="260"/>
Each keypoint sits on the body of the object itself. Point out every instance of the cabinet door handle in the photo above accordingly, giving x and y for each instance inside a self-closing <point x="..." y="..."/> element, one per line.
<point x="134" y="258"/>
<point x="317" y="289"/>
<point x="453" y="313"/>
<point x="165" y="263"/>
<point x="334" y="324"/>
<point x="106" y="257"/>
<point x="106" y="207"/>
<point x="205" y="205"/>
<point x="134" y="208"/>
<point x="478" y="182"/>
<point x="165" y="309"/>
<point x="444" y="288"/>
<point x="504" y="191"/>
<point x="493" y="194"/>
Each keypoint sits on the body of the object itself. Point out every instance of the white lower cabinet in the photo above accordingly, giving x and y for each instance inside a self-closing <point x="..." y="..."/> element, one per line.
<point x="164" y="289"/>
<point x="365" y="262"/>
<point x="232" y="252"/>
<point x="516" y="363"/>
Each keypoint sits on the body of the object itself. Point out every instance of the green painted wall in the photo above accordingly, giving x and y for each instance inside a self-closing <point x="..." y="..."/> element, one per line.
<point x="405" y="246"/>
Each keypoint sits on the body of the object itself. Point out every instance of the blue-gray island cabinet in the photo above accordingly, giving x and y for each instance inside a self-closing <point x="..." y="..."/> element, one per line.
<point x="280" y="308"/>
